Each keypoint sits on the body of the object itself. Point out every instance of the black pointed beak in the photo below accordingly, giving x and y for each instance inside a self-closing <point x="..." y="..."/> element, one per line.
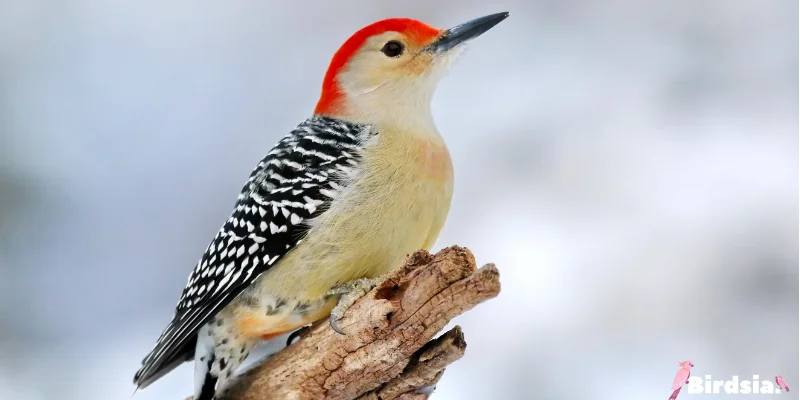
<point x="465" y="32"/>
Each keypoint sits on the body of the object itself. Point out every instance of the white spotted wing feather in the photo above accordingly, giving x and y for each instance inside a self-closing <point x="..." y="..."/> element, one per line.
<point x="295" y="182"/>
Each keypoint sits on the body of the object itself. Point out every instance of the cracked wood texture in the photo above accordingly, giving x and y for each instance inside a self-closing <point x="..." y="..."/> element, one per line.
<point x="388" y="351"/>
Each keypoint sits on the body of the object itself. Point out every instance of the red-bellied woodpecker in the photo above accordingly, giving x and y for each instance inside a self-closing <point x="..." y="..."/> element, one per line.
<point x="336" y="204"/>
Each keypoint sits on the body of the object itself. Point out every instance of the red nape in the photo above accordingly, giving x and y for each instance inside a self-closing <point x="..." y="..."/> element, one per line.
<point x="413" y="29"/>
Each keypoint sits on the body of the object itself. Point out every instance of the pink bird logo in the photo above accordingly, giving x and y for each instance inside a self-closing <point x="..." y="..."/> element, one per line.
<point x="781" y="383"/>
<point x="681" y="378"/>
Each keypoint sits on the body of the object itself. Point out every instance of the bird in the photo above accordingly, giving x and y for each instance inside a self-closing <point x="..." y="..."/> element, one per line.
<point x="681" y="378"/>
<point x="781" y="383"/>
<point x="331" y="209"/>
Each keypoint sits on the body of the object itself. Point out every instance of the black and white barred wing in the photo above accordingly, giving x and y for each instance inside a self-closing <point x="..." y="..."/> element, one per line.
<point x="295" y="182"/>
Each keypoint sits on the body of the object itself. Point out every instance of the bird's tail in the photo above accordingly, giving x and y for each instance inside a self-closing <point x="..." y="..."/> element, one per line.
<point x="787" y="388"/>
<point x="675" y="394"/>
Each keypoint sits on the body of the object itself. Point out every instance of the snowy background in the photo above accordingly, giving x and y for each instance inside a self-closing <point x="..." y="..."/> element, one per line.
<point x="631" y="167"/>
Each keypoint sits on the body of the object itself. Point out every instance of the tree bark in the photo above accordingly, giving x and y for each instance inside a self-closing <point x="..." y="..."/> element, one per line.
<point x="388" y="351"/>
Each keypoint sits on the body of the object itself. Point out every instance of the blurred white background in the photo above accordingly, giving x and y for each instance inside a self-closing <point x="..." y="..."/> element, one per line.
<point x="631" y="167"/>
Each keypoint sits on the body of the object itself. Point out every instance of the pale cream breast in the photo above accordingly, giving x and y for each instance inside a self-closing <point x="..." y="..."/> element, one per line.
<point x="396" y="205"/>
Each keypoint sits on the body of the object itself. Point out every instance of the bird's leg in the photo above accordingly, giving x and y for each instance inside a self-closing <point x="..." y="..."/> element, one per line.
<point x="349" y="292"/>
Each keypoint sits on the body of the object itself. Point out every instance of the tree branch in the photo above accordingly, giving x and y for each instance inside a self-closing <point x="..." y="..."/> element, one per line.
<point x="387" y="352"/>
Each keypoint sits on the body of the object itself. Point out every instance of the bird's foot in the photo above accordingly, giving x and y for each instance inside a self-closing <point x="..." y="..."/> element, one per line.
<point x="349" y="292"/>
<point x="298" y="334"/>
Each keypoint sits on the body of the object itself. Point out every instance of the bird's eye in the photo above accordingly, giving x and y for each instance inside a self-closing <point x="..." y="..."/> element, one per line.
<point x="392" y="48"/>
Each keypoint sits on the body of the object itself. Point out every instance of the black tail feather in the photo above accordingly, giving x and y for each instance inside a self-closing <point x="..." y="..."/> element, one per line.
<point x="209" y="389"/>
<point x="187" y="354"/>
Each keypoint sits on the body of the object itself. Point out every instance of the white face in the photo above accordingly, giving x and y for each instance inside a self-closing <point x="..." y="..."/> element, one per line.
<point x="392" y="78"/>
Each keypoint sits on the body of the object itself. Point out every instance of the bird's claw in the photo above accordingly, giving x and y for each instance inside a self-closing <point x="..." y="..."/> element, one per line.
<point x="349" y="293"/>
<point x="335" y="324"/>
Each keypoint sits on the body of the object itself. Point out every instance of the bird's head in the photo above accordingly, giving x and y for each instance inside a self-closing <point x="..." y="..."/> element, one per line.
<point x="686" y="364"/>
<point x="390" y="68"/>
